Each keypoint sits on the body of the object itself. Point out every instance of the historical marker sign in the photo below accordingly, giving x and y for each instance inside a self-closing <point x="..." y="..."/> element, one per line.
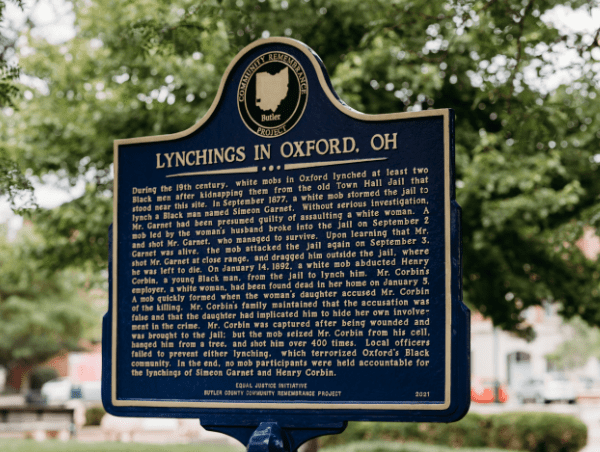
<point x="288" y="255"/>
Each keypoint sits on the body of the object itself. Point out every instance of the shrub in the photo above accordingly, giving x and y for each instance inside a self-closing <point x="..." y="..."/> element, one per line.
<point x="468" y="432"/>
<point x="533" y="432"/>
<point x="538" y="432"/>
<point x="381" y="446"/>
<point x="94" y="415"/>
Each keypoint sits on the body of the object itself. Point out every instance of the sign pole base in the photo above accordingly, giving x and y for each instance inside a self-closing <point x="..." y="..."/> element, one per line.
<point x="270" y="436"/>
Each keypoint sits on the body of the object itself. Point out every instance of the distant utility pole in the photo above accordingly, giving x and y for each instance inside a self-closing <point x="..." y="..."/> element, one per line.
<point x="496" y="357"/>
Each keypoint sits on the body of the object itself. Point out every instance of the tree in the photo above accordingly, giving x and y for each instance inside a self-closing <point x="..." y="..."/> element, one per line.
<point x="12" y="180"/>
<point x="8" y="72"/>
<point x="575" y="352"/>
<point x="42" y="312"/>
<point x="527" y="163"/>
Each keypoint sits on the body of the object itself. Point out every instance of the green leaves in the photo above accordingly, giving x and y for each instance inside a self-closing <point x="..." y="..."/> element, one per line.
<point x="42" y="312"/>
<point x="9" y="72"/>
<point x="76" y="233"/>
<point x="575" y="352"/>
<point x="526" y="145"/>
<point x="8" y="89"/>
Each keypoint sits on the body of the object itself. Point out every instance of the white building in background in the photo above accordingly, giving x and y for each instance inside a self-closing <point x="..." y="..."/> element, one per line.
<point x="498" y="355"/>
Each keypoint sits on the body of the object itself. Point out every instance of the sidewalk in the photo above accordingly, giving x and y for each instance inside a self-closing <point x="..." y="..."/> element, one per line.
<point x="12" y="400"/>
<point x="159" y="436"/>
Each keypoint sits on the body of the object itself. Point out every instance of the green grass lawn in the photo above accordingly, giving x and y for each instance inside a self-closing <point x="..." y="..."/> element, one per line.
<point x="29" y="445"/>
<point x="388" y="446"/>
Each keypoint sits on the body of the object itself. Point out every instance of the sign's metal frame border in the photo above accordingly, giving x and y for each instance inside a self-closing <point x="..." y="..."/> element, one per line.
<point x="445" y="113"/>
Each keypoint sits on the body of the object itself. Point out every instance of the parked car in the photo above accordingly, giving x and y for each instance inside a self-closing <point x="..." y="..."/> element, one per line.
<point x="87" y="391"/>
<point x="550" y="388"/>
<point x="56" y="391"/>
<point x="483" y="391"/>
<point x="587" y="388"/>
<point x="61" y="390"/>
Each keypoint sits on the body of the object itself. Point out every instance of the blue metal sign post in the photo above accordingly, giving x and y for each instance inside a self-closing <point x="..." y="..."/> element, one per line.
<point x="287" y="264"/>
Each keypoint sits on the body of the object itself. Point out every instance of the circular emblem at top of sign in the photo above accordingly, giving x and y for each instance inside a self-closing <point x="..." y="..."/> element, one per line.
<point x="272" y="94"/>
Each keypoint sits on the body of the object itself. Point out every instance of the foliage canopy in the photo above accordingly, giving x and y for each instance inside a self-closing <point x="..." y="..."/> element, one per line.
<point x="527" y="145"/>
<point x="42" y="312"/>
<point x="12" y="180"/>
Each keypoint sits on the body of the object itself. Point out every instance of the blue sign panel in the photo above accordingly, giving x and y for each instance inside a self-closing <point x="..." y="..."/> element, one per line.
<point x="288" y="256"/>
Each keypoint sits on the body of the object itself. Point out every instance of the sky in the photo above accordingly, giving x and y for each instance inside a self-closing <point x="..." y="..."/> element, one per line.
<point x="54" y="21"/>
